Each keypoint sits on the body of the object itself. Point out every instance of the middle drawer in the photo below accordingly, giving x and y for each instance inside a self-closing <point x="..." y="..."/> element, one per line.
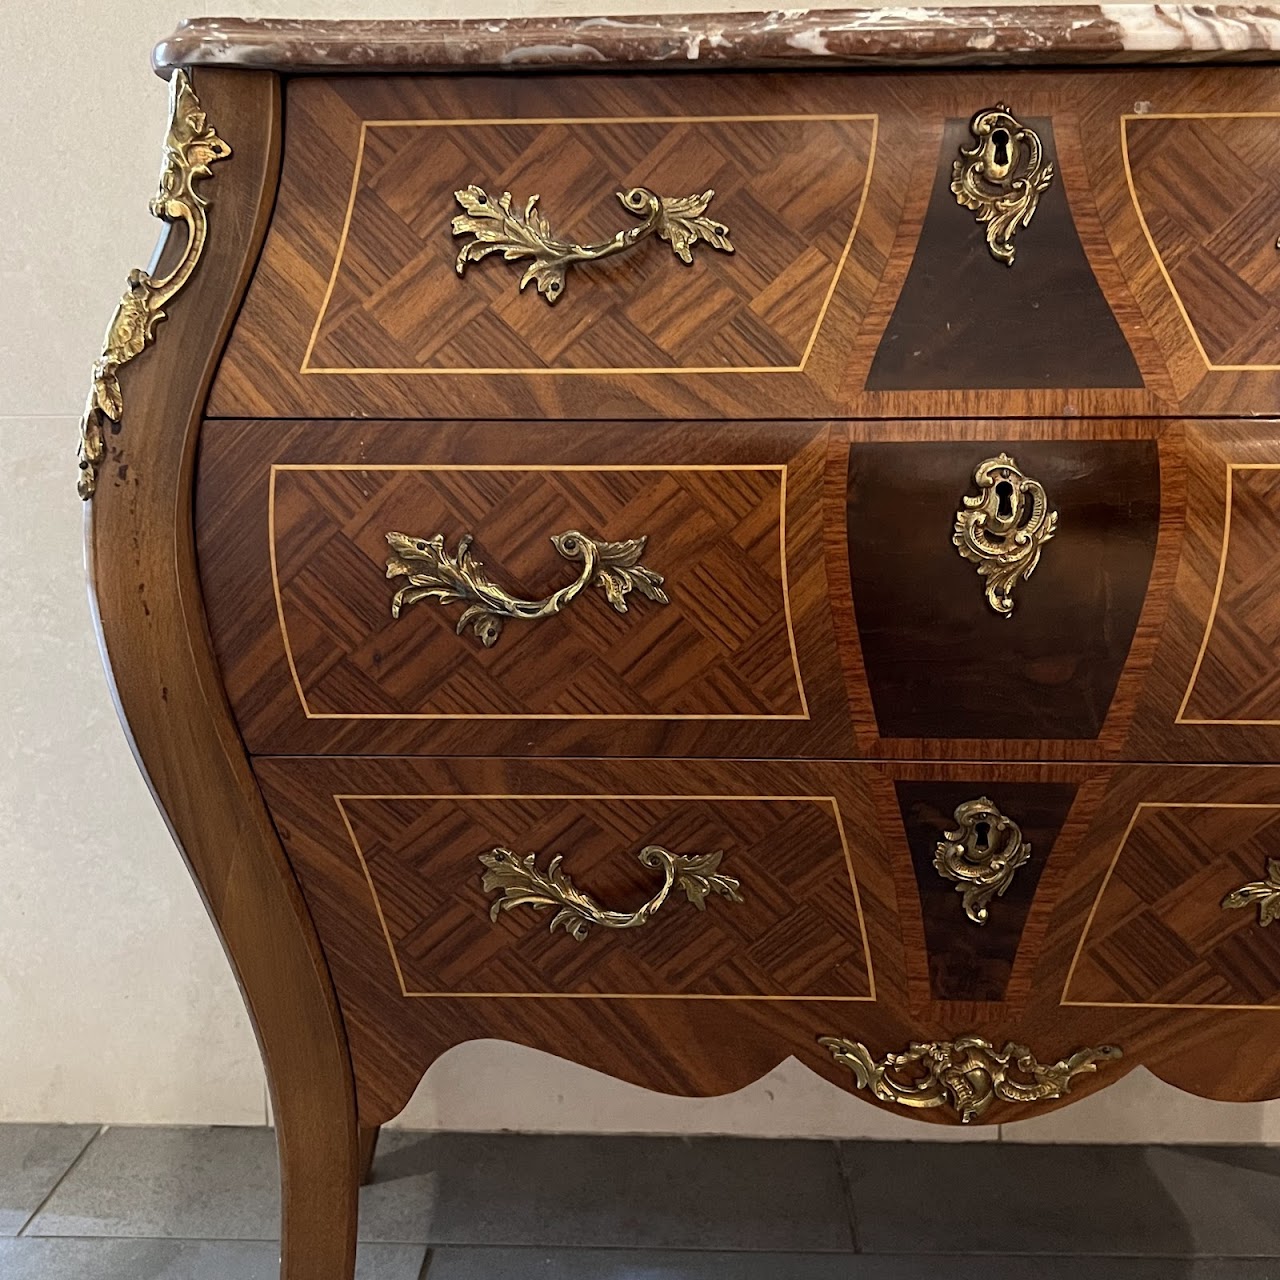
<point x="1044" y="590"/>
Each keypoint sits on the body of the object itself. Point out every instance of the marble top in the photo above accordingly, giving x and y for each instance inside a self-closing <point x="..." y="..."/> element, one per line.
<point x="787" y="37"/>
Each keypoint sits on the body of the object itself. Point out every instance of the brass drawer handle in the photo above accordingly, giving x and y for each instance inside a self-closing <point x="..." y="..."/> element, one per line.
<point x="522" y="884"/>
<point x="1001" y="177"/>
<point x="434" y="574"/>
<point x="1003" y="529"/>
<point x="967" y="1074"/>
<point x="1266" y="893"/>
<point x="981" y="855"/>
<point x="495" y="227"/>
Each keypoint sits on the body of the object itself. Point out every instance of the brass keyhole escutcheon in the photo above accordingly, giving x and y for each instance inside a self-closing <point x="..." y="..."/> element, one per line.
<point x="980" y="855"/>
<point x="1003" y="528"/>
<point x="1001" y="177"/>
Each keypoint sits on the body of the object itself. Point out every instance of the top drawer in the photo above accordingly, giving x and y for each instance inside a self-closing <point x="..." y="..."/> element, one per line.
<point x="1147" y="282"/>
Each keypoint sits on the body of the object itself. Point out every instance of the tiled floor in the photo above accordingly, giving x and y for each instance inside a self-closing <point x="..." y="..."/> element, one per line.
<point x="79" y="1203"/>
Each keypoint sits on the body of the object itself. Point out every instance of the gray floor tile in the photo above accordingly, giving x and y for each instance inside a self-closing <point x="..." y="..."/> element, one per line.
<point x="461" y="1263"/>
<point x="101" y="1259"/>
<point x="704" y="1193"/>
<point x="32" y="1159"/>
<point x="1228" y="1196"/>
<point x="199" y="1184"/>
<point x="1048" y="1199"/>
<point x="464" y="1263"/>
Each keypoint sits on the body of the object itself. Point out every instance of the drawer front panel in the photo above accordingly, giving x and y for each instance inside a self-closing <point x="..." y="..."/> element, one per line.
<point x="832" y="269"/>
<point x="1179" y="918"/>
<point x="837" y="947"/>
<point x="548" y="588"/>
<point x="781" y="917"/>
<point x="777" y="589"/>
<point x="1038" y="651"/>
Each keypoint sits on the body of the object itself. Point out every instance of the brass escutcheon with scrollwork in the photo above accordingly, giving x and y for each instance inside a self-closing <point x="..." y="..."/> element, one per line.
<point x="434" y="574"/>
<point x="1001" y="177"/>
<point x="191" y="146"/>
<point x="1004" y="528"/>
<point x="496" y="227"/>
<point x="981" y="855"/>
<point x="967" y="1075"/>
<point x="522" y="884"/>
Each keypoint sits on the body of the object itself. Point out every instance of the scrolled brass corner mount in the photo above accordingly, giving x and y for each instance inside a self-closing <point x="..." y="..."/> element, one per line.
<point x="191" y="146"/>
<point x="1001" y="177"/>
<point x="495" y="226"/>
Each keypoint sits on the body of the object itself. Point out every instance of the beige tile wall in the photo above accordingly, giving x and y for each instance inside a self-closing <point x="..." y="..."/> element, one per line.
<point x="115" y="1002"/>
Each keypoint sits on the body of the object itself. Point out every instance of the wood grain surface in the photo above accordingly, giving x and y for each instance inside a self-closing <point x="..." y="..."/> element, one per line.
<point x="677" y="1040"/>
<point x="953" y="304"/>
<point x="741" y="659"/>
<point x="355" y="274"/>
<point x="896" y="652"/>
<point x="146" y="592"/>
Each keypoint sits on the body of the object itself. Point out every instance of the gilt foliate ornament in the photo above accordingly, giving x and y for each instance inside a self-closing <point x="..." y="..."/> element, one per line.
<point x="523" y="884"/>
<point x="191" y="146"/>
<point x="435" y="574"/>
<point x="966" y="1075"/>
<point x="499" y="226"/>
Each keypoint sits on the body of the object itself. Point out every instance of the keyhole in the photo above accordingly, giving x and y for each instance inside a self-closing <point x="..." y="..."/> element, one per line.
<point x="1000" y="140"/>
<point x="1004" y="500"/>
<point x="981" y="832"/>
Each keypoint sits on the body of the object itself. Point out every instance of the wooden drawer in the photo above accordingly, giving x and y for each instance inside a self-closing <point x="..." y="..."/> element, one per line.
<point x="857" y="284"/>
<point x="816" y="602"/>
<point x="735" y="648"/>
<point x="1120" y="878"/>
<point x="755" y="895"/>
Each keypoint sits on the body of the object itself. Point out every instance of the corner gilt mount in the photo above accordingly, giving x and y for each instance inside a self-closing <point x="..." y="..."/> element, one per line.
<point x="191" y="146"/>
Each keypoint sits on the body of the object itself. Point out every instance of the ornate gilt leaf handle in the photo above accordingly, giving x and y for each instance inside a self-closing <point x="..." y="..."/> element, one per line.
<point x="1266" y="893"/>
<point x="190" y="148"/>
<point x="967" y="1074"/>
<point x="1003" y="528"/>
<point x="1001" y="177"/>
<point x="434" y="574"/>
<point x="522" y="884"/>
<point x="496" y="227"/>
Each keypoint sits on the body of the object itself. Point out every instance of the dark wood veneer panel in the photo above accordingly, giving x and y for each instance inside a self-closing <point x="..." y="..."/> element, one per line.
<point x="964" y="320"/>
<point x="940" y="662"/>
<point x="968" y="961"/>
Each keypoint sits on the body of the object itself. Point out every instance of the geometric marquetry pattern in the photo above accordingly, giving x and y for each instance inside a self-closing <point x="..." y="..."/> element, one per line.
<point x="1209" y="192"/>
<point x="796" y="932"/>
<point x="721" y="647"/>
<point x="1238" y="677"/>
<point x="789" y="191"/>
<point x="1159" y="934"/>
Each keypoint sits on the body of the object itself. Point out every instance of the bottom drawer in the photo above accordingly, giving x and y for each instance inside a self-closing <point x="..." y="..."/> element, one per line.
<point x="970" y="942"/>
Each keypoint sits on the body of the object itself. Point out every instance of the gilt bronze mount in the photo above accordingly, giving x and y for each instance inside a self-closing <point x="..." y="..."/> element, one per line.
<point x="981" y="855"/>
<point x="434" y="574"/>
<point x="1004" y="528"/>
<point x="191" y="146"/>
<point x="496" y="227"/>
<point x="1266" y="893"/>
<point x="966" y="1075"/>
<point x="522" y="884"/>
<point x="1001" y="177"/>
